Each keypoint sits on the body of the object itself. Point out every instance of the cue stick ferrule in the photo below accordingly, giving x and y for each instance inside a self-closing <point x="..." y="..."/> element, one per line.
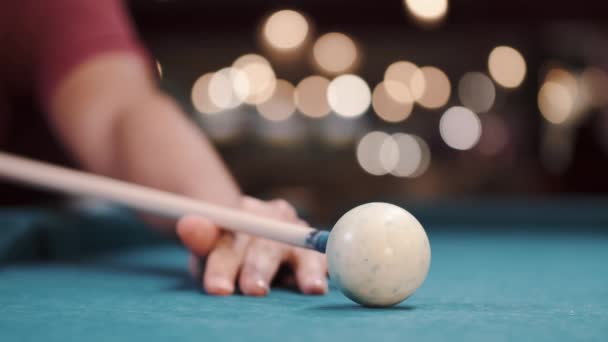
<point x="317" y="240"/>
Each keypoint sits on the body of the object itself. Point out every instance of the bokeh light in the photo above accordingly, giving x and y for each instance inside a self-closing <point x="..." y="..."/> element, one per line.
<point x="431" y="87"/>
<point x="460" y="128"/>
<point x="311" y="96"/>
<point x="228" y="88"/>
<point x="285" y="30"/>
<point x="414" y="156"/>
<point x="200" y="95"/>
<point x="389" y="154"/>
<point x="260" y="77"/>
<point x="401" y="73"/>
<point x="281" y="104"/>
<point x="402" y="155"/>
<point x="387" y="107"/>
<point x="348" y="95"/>
<point x="507" y="66"/>
<point x="427" y="11"/>
<point x="476" y="92"/>
<point x="555" y="102"/>
<point x="579" y="93"/>
<point x="335" y="53"/>
<point x="377" y="153"/>
<point x="565" y="78"/>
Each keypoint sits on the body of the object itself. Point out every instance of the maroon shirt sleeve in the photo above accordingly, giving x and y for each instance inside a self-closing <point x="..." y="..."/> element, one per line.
<point x="65" y="33"/>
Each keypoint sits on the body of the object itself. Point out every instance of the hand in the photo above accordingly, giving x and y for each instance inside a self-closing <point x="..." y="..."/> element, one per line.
<point x="253" y="261"/>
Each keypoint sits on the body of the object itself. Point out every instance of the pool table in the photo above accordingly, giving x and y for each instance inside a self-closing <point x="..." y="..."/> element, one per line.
<point x="502" y="270"/>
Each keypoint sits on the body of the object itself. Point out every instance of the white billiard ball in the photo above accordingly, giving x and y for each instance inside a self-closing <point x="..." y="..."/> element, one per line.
<point x="378" y="254"/>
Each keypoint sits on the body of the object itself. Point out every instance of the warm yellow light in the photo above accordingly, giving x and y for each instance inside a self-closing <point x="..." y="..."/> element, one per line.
<point x="335" y="53"/>
<point x="401" y="73"/>
<point x="565" y="78"/>
<point x="476" y="91"/>
<point x="507" y="66"/>
<point x="427" y="10"/>
<point x="228" y="88"/>
<point x="403" y="155"/>
<point x="247" y="59"/>
<point x="578" y="93"/>
<point x="200" y="95"/>
<point x="414" y="156"/>
<point x="281" y="105"/>
<point x="386" y="107"/>
<point x="460" y="128"/>
<point x="260" y="77"/>
<point x="410" y="155"/>
<point x="431" y="87"/>
<point x="348" y="95"/>
<point x="377" y="153"/>
<point x="286" y="30"/>
<point x="555" y="102"/>
<point x="311" y="96"/>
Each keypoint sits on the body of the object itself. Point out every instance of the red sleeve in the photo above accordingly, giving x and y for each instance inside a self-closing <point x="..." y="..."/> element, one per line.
<point x="65" y="33"/>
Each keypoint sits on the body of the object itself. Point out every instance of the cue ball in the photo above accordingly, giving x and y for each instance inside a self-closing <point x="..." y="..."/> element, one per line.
<point x="378" y="254"/>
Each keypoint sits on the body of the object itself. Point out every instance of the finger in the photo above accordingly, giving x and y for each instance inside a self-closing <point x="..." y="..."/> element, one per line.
<point x="311" y="271"/>
<point x="197" y="233"/>
<point x="254" y="205"/>
<point x="284" y="210"/>
<point x="223" y="264"/>
<point x="260" y="265"/>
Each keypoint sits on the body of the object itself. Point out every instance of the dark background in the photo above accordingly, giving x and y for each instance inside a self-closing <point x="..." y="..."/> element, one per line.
<point x="190" y="38"/>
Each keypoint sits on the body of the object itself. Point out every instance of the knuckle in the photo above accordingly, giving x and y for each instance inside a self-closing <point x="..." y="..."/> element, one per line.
<point x="250" y="203"/>
<point x="262" y="249"/>
<point x="285" y="209"/>
<point x="312" y="258"/>
<point x="262" y="258"/>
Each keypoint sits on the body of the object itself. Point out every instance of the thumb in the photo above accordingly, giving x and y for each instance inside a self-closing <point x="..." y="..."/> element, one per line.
<point x="197" y="233"/>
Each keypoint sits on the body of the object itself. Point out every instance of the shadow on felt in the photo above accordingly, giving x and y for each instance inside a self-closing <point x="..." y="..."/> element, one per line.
<point x="350" y="307"/>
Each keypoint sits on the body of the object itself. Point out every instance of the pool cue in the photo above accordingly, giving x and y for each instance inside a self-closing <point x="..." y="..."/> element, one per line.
<point x="52" y="177"/>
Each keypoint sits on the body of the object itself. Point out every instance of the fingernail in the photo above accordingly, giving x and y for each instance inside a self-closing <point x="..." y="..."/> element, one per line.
<point x="262" y="284"/>
<point x="221" y="286"/>
<point x="318" y="286"/>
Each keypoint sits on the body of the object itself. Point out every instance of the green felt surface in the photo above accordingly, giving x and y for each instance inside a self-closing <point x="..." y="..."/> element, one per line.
<point x="487" y="283"/>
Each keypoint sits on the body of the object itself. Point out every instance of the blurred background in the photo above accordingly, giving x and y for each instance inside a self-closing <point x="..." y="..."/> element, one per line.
<point x="333" y="103"/>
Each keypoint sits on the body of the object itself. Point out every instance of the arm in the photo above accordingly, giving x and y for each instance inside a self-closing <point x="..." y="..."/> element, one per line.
<point x="93" y="79"/>
<point x="111" y="115"/>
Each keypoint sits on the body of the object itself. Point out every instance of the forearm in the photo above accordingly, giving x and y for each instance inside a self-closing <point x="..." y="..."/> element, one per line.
<point x="111" y="116"/>
<point x="154" y="144"/>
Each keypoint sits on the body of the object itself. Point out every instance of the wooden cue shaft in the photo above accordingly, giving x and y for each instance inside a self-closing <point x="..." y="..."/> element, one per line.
<point x="163" y="203"/>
